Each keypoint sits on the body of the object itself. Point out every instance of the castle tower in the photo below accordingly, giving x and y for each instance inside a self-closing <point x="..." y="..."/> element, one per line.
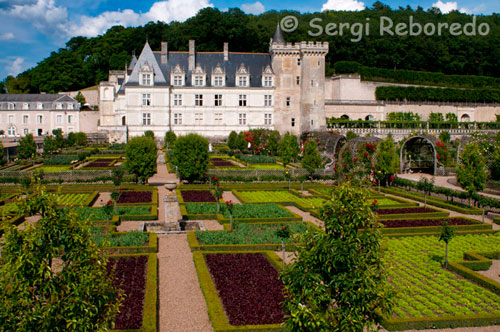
<point x="299" y="103"/>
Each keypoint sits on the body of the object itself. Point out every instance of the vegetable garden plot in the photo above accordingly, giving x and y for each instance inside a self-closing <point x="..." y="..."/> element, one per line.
<point x="426" y="290"/>
<point x="250" y="234"/>
<point x="135" y="197"/>
<point x="72" y="199"/>
<point x="425" y="222"/>
<point x="221" y="162"/>
<point x="269" y="210"/>
<point x="248" y="286"/>
<point x="195" y="196"/>
<point x="279" y="196"/>
<point x="405" y="210"/>
<point x="102" y="162"/>
<point x="97" y="214"/>
<point x="130" y="276"/>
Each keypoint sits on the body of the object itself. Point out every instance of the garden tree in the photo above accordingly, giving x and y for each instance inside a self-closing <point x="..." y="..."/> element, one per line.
<point x="70" y="139"/>
<point x="231" y="140"/>
<point x="150" y="134"/>
<point x="191" y="156"/>
<point x="436" y="117"/>
<point x="442" y="152"/>
<point x="58" y="134"/>
<point x="338" y="281"/>
<point x="495" y="165"/>
<point x="80" y="98"/>
<point x="351" y="135"/>
<point x="141" y="157"/>
<point x="52" y="276"/>
<point x="27" y="147"/>
<point x="49" y="145"/>
<point x="386" y="159"/>
<point x="272" y="142"/>
<point x="451" y="117"/>
<point x="170" y="139"/>
<point x="444" y="137"/>
<point x="425" y="185"/>
<point x="471" y="171"/>
<point x="2" y="155"/>
<point x="80" y="139"/>
<point x="288" y="149"/>
<point x="446" y="235"/>
<point x="241" y="144"/>
<point x="311" y="159"/>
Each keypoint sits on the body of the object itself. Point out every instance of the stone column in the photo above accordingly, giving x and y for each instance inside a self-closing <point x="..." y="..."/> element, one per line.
<point x="171" y="201"/>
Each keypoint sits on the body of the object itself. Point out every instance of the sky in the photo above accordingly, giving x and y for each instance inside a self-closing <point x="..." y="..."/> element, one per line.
<point x="32" y="29"/>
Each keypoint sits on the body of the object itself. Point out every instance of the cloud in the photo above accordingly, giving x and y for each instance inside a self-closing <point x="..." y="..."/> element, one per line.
<point x="255" y="8"/>
<point x="343" y="5"/>
<point x="7" y="36"/>
<point x="446" y="7"/>
<point x="43" y="14"/>
<point x="476" y="10"/>
<point x="14" y="65"/>
<point x="49" y="18"/>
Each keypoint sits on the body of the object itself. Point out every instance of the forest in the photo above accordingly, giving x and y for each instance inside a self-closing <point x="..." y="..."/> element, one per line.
<point x="84" y="62"/>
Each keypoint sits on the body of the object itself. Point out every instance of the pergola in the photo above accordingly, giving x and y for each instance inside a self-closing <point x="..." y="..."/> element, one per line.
<point x="354" y="143"/>
<point x="418" y="146"/>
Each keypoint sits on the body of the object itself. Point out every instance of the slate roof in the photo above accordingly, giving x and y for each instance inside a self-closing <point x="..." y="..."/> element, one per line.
<point x="35" y="98"/>
<point x="255" y="63"/>
<point x="278" y="36"/>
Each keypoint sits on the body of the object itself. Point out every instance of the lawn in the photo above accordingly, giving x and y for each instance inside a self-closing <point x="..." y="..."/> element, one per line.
<point x="278" y="197"/>
<point x="425" y="289"/>
<point x="250" y="234"/>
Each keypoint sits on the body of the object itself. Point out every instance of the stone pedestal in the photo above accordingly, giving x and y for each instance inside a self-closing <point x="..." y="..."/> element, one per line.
<point x="171" y="202"/>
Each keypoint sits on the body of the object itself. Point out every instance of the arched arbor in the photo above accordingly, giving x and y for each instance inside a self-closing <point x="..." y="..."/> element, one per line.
<point x="418" y="154"/>
<point x="329" y="144"/>
<point x="353" y="145"/>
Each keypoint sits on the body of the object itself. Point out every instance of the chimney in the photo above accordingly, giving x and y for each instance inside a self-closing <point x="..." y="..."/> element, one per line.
<point x="226" y="51"/>
<point x="164" y="53"/>
<point x="191" y="58"/>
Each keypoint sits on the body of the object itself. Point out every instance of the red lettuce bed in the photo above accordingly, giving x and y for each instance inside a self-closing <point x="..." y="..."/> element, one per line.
<point x="405" y="210"/>
<point x="221" y="162"/>
<point x="130" y="276"/>
<point x="424" y="222"/>
<point x="197" y="196"/>
<point x="249" y="288"/>
<point x="135" y="197"/>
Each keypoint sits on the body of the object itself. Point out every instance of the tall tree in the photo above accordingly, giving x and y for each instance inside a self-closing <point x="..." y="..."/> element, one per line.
<point x="387" y="160"/>
<point x="27" y="147"/>
<point x="52" y="276"/>
<point x="311" y="159"/>
<point x="191" y="156"/>
<point x="141" y="157"/>
<point x="471" y="171"/>
<point x="288" y="149"/>
<point x="338" y="281"/>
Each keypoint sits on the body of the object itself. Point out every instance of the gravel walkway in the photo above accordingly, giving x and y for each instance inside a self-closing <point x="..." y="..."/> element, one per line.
<point x="229" y="196"/>
<point x="493" y="272"/>
<point x="212" y="225"/>
<point x="306" y="216"/>
<point x="182" y="305"/>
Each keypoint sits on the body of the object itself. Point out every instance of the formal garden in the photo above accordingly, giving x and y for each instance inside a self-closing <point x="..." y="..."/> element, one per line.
<point x="292" y="225"/>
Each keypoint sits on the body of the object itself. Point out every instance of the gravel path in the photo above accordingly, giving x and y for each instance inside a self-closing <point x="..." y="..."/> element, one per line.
<point x="127" y="226"/>
<point x="493" y="272"/>
<point x="182" y="305"/>
<point x="229" y="196"/>
<point x="306" y="216"/>
<point x="212" y="225"/>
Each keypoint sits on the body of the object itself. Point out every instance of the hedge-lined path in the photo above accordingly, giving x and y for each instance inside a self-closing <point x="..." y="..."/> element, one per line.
<point x="182" y="305"/>
<point x="306" y="216"/>
<point x="229" y="196"/>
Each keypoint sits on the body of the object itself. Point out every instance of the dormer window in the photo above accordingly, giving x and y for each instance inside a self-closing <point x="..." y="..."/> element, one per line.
<point x="268" y="81"/>
<point x="39" y="106"/>
<point x="198" y="80"/>
<point x="218" y="81"/>
<point x="146" y="79"/>
<point x="70" y="106"/>
<point x="177" y="76"/>
<point x="26" y="106"/>
<point x="267" y="77"/>
<point x="59" y="106"/>
<point x="242" y="76"/>
<point x="12" y="106"/>
<point x="242" y="81"/>
<point x="178" y="81"/>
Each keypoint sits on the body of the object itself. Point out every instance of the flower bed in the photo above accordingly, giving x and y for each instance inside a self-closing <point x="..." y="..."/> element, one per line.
<point x="268" y="210"/>
<point x="197" y="196"/>
<point x="248" y="286"/>
<point x="135" y="197"/>
<point x="411" y="210"/>
<point x="130" y="276"/>
<point x="250" y="234"/>
<point x="425" y="222"/>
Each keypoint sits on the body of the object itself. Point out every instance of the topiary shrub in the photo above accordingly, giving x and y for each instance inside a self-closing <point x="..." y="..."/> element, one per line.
<point x="191" y="157"/>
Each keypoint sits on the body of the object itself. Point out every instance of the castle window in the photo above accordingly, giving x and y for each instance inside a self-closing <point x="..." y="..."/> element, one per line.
<point x="12" y="106"/>
<point x="218" y="81"/>
<point x="146" y="79"/>
<point x="146" y="99"/>
<point x="26" y="106"/>
<point x="198" y="118"/>
<point x="218" y="100"/>
<point x="312" y="122"/>
<point x="298" y="80"/>
<point x="268" y="81"/>
<point x="25" y="131"/>
<point x="70" y="119"/>
<point x="242" y="119"/>
<point x="298" y="61"/>
<point x="25" y="119"/>
<point x="146" y="119"/>
<point x="293" y="122"/>
<point x="242" y="81"/>
<point x="198" y="100"/>
<point x="70" y="106"/>
<point x="268" y="100"/>
<point x="59" y="106"/>
<point x="177" y="118"/>
<point x="39" y="119"/>
<point x="218" y="118"/>
<point x="177" y="80"/>
<point x="39" y="106"/>
<point x="312" y="82"/>
<point x="59" y="119"/>
<point x="11" y="118"/>
<point x="177" y="100"/>
<point x="198" y="80"/>
<point x="243" y="100"/>
<point x="11" y="131"/>
<point x="268" y="119"/>
<point x="288" y="102"/>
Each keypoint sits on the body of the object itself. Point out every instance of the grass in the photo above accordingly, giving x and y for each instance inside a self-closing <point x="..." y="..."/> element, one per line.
<point x="269" y="210"/>
<point x="250" y="234"/>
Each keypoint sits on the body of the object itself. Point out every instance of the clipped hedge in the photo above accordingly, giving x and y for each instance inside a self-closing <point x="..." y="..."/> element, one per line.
<point x="215" y="308"/>
<point x="410" y="93"/>
<point x="436" y="214"/>
<point x="475" y="226"/>
<point x="149" y="312"/>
